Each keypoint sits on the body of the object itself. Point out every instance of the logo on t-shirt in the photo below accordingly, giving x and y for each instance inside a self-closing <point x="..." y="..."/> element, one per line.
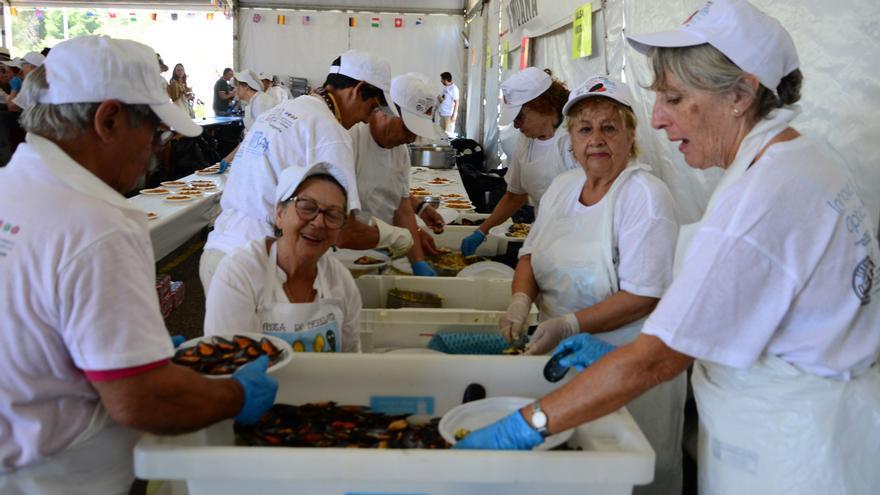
<point x="7" y="231"/>
<point x="258" y="144"/>
<point x="863" y="280"/>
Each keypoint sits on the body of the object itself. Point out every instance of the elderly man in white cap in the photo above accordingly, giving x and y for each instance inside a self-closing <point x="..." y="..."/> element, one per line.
<point x="298" y="133"/>
<point x="85" y="352"/>
<point x="382" y="161"/>
<point x="26" y="64"/>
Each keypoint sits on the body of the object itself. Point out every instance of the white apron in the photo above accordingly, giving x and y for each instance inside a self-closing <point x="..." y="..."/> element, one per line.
<point x="98" y="461"/>
<point x="772" y="428"/>
<point x="308" y="327"/>
<point x="576" y="268"/>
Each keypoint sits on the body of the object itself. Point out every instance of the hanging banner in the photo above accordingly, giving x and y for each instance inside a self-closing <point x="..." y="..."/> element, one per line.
<point x="488" y="57"/>
<point x="505" y="50"/>
<point x="523" y="53"/>
<point x="582" y="32"/>
<point x="533" y="18"/>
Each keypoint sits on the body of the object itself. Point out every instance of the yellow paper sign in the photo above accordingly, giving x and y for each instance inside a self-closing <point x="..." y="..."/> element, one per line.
<point x="504" y="51"/>
<point x="488" y="56"/>
<point x="582" y="42"/>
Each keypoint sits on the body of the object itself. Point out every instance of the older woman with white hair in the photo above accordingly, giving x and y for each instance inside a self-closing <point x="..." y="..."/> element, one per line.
<point x="775" y="303"/>
<point x="289" y="286"/>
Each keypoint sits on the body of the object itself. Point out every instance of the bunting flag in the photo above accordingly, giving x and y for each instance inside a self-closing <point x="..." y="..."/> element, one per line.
<point x="154" y="16"/>
<point x="375" y="22"/>
<point x="38" y="13"/>
<point x="112" y="15"/>
<point x="523" y="53"/>
<point x="418" y="21"/>
<point x="307" y="20"/>
<point x="398" y="22"/>
<point x="282" y="20"/>
<point x="353" y="22"/>
<point x="257" y="18"/>
<point x="174" y="16"/>
<point x="210" y="16"/>
<point x="132" y="17"/>
<point x="13" y="11"/>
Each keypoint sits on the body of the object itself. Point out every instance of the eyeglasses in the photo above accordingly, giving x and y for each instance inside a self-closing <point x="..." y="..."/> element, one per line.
<point x="162" y="137"/>
<point x="307" y="209"/>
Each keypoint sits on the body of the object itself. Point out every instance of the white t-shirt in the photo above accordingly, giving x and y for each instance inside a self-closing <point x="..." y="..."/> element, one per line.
<point x="236" y="288"/>
<point x="645" y="227"/>
<point x="536" y="163"/>
<point x="78" y="285"/>
<point x="279" y="93"/>
<point x="259" y="103"/>
<point x="784" y="264"/>
<point x="296" y="133"/>
<point x="382" y="175"/>
<point x="450" y="94"/>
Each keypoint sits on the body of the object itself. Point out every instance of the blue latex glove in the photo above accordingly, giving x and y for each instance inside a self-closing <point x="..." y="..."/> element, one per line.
<point x="223" y="165"/>
<point x="423" y="269"/>
<point x="584" y="351"/>
<point x="470" y="243"/>
<point x="259" y="390"/>
<point x="176" y="340"/>
<point x="509" y="433"/>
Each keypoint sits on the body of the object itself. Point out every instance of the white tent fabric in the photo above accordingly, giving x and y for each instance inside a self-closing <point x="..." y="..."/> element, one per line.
<point x="492" y="90"/>
<point x="296" y="49"/>
<point x="476" y="73"/>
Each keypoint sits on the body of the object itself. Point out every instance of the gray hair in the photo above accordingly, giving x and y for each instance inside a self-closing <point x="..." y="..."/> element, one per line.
<point x="65" y="121"/>
<point x="704" y="67"/>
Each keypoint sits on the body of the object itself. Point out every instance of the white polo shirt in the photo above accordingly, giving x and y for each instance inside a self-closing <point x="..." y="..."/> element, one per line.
<point x="77" y="281"/>
<point x="382" y="175"/>
<point x="296" y="133"/>
<point x="536" y="163"/>
<point x="259" y="103"/>
<point x="785" y="264"/>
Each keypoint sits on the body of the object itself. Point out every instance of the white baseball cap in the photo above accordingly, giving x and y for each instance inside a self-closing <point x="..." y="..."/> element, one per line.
<point x="34" y="58"/>
<point x="250" y="78"/>
<point x="127" y="70"/>
<point x="292" y="177"/>
<point x="16" y="62"/>
<point x="600" y="86"/>
<point x="519" y="89"/>
<point x="417" y="101"/>
<point x="754" y="41"/>
<point x="366" y="67"/>
<point x="265" y="75"/>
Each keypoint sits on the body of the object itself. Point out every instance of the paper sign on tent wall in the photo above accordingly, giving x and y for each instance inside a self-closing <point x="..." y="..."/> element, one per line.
<point x="504" y="51"/>
<point x="524" y="53"/>
<point x="582" y="32"/>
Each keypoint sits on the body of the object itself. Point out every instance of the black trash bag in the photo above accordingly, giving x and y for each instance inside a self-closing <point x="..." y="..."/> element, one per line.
<point x="191" y="154"/>
<point x="484" y="189"/>
<point x="469" y="151"/>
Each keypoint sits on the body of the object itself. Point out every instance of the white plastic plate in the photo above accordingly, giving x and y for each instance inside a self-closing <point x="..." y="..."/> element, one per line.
<point x="500" y="231"/>
<point x="348" y="256"/>
<point x="286" y="350"/>
<point x="479" y="413"/>
<point x="487" y="269"/>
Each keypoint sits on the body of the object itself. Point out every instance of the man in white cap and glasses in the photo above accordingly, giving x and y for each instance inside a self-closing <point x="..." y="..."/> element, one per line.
<point x="382" y="164"/>
<point x="532" y="101"/>
<point x="298" y="133"/>
<point x="85" y="350"/>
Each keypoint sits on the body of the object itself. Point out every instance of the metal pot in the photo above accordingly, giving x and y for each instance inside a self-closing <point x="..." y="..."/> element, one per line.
<point x="432" y="156"/>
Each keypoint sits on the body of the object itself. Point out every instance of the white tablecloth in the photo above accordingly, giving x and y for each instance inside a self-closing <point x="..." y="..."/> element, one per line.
<point x="177" y="222"/>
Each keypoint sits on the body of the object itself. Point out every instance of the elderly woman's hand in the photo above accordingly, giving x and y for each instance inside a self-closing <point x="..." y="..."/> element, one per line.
<point x="551" y="332"/>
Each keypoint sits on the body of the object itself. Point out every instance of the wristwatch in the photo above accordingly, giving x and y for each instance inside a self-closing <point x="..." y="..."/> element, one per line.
<point x="539" y="420"/>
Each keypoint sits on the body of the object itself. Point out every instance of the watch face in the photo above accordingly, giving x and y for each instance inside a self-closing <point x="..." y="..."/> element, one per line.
<point x="539" y="419"/>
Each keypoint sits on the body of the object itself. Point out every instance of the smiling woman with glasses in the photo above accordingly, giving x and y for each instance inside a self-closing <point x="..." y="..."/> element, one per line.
<point x="289" y="286"/>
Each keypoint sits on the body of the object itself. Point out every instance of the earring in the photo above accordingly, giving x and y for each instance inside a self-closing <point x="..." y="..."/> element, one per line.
<point x="736" y="111"/>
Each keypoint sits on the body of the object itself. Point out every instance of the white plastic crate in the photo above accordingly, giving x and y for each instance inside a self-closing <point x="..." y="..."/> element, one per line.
<point x="615" y="456"/>
<point x="386" y="329"/>
<point x="457" y="293"/>
<point x="453" y="234"/>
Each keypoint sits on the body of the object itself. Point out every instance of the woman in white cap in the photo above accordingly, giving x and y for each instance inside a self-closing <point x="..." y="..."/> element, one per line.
<point x="599" y="256"/>
<point x="533" y="101"/>
<point x="773" y="302"/>
<point x="289" y="286"/>
<point x="249" y="88"/>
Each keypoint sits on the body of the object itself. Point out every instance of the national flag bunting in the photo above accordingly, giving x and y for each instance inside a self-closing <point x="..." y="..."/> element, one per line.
<point x="353" y="22"/>
<point x="418" y="21"/>
<point x="307" y="20"/>
<point x="132" y="17"/>
<point x="258" y="18"/>
<point x="210" y="16"/>
<point x="398" y="22"/>
<point x="154" y="16"/>
<point x="282" y="20"/>
<point x="375" y="22"/>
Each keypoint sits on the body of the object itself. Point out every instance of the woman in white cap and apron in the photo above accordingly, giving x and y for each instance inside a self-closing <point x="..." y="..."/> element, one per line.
<point x="599" y="256"/>
<point x="775" y="303"/>
<point x="289" y="286"/>
<point x="533" y="101"/>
